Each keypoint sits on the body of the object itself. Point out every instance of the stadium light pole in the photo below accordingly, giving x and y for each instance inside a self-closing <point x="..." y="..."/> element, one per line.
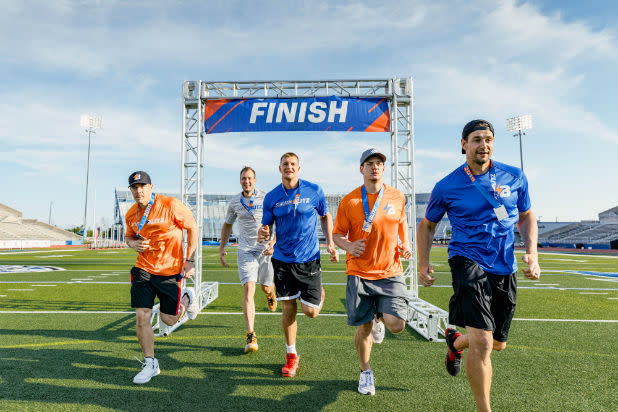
<point x="519" y="124"/>
<point x="91" y="123"/>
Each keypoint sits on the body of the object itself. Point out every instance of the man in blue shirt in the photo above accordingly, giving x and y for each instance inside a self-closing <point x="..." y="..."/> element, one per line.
<point x="295" y="206"/>
<point x="484" y="200"/>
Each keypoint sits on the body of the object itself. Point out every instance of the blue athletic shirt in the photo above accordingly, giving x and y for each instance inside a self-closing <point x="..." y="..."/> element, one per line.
<point x="477" y="233"/>
<point x="297" y="234"/>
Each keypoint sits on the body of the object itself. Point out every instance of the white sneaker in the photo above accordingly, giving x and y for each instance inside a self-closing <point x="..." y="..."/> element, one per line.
<point x="366" y="383"/>
<point x="150" y="368"/>
<point x="192" y="308"/>
<point x="377" y="331"/>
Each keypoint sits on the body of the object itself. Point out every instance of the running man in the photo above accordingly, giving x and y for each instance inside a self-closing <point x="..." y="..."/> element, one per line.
<point x="253" y="257"/>
<point x="484" y="200"/>
<point x="154" y="230"/>
<point x="369" y="222"/>
<point x="295" y="206"/>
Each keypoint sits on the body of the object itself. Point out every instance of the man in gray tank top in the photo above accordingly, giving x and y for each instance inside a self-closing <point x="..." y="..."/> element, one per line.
<point x="253" y="257"/>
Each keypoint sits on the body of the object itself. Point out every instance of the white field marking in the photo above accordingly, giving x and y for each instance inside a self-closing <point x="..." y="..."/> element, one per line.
<point x="22" y="290"/>
<point x="109" y="274"/>
<point x="604" y="280"/>
<point x="547" y="284"/>
<point x="109" y="252"/>
<point x="593" y="293"/>
<point x="81" y="279"/>
<point x="577" y="254"/>
<point x="612" y="298"/>
<point x="124" y="312"/>
<point x="43" y="251"/>
<point x="43" y="285"/>
<point x="2" y="296"/>
<point x="569" y="260"/>
<point x="52" y="256"/>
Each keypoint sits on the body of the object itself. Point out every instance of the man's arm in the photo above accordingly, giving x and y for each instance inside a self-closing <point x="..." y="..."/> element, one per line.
<point x="188" y="267"/>
<point x="529" y="231"/>
<point x="404" y="236"/>
<point x="424" y="239"/>
<point x="326" y="222"/>
<point x="270" y="249"/>
<point x="355" y="248"/>
<point x="226" y="229"/>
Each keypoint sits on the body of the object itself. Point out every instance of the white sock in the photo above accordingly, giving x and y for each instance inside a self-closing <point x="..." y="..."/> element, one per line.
<point x="291" y="348"/>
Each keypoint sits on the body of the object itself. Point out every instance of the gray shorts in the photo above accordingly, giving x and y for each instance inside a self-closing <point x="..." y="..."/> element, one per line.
<point x="253" y="266"/>
<point x="364" y="298"/>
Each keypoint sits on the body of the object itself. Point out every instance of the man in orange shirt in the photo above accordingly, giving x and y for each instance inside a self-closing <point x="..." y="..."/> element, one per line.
<point x="154" y="230"/>
<point x="372" y="217"/>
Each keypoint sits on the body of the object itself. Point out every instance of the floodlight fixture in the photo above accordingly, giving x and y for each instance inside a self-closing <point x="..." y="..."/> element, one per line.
<point x="518" y="124"/>
<point x="91" y="123"/>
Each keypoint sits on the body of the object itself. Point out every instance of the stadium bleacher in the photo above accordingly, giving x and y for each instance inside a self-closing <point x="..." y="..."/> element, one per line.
<point x="14" y="230"/>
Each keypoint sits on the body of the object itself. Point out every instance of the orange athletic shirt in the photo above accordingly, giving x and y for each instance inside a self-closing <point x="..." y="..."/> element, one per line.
<point x="168" y="216"/>
<point x="381" y="256"/>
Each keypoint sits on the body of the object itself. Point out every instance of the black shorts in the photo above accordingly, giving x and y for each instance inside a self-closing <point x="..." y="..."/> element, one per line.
<point x="145" y="286"/>
<point x="299" y="280"/>
<point x="482" y="300"/>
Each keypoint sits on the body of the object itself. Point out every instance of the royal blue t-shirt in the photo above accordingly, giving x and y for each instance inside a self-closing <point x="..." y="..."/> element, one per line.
<point x="297" y="231"/>
<point x="477" y="233"/>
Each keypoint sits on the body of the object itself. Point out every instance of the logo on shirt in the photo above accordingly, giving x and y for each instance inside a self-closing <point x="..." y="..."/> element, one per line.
<point x="292" y="201"/>
<point x="389" y="209"/>
<point x="500" y="190"/>
<point x="150" y="221"/>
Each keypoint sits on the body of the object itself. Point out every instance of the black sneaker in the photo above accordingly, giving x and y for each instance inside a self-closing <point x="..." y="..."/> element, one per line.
<point x="453" y="356"/>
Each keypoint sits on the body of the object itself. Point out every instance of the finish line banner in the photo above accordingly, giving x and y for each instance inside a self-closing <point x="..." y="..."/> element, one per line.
<point x="341" y="114"/>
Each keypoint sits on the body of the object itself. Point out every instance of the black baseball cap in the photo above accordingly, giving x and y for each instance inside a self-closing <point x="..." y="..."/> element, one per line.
<point x="139" y="177"/>
<point x="372" y="152"/>
<point x="472" y="126"/>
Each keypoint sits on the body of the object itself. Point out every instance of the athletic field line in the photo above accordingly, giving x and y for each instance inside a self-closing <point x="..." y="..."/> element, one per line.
<point x="34" y="345"/>
<point x="125" y="312"/>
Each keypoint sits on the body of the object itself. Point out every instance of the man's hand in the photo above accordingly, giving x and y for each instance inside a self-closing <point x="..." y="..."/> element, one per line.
<point x="269" y="250"/>
<point x="222" y="254"/>
<point x="188" y="269"/>
<point x="263" y="233"/>
<point x="424" y="275"/>
<point x="334" y="255"/>
<point x="357" y="247"/>
<point x="533" y="272"/>
<point x="404" y="251"/>
<point x="140" y="245"/>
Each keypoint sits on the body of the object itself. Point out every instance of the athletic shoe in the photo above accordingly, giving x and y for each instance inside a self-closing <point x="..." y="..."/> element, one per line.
<point x="291" y="364"/>
<point x="251" y="345"/>
<point x="453" y="356"/>
<point x="366" y="383"/>
<point x="150" y="368"/>
<point x="377" y="331"/>
<point x="192" y="308"/>
<point x="271" y="300"/>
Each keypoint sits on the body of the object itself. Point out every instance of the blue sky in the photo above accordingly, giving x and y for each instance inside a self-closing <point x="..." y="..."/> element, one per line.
<point x="556" y="60"/>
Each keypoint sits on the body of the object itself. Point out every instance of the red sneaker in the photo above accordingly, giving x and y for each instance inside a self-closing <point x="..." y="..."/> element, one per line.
<point x="453" y="356"/>
<point x="291" y="364"/>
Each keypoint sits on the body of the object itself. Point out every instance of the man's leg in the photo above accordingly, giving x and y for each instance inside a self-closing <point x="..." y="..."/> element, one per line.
<point x="248" y="305"/>
<point x="393" y="323"/>
<point x="145" y="334"/>
<point x="478" y="365"/>
<point x="170" y="320"/>
<point x="288" y="320"/>
<point x="363" y="343"/>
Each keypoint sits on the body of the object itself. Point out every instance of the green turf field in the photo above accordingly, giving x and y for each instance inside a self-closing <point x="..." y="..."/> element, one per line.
<point x="67" y="343"/>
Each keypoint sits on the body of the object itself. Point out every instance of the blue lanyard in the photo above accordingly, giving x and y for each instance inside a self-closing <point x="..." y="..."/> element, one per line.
<point x="370" y="216"/>
<point x="493" y="200"/>
<point x="242" y="202"/>
<point x="144" y="216"/>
